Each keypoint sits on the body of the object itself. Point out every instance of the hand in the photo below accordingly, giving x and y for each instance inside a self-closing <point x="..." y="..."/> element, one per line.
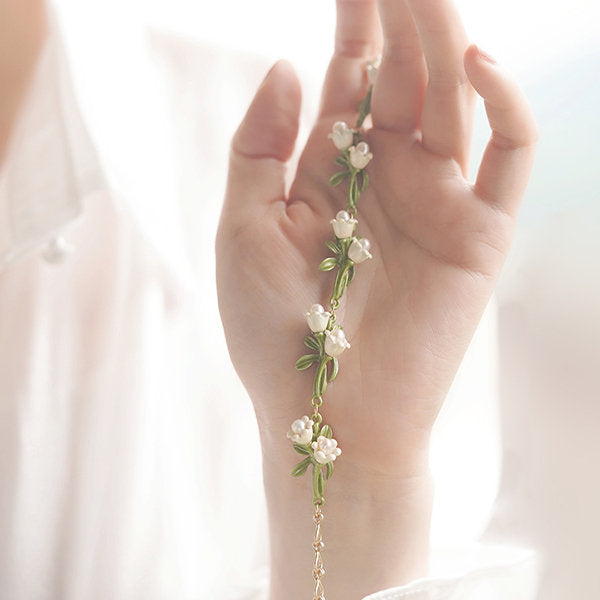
<point x="438" y="241"/>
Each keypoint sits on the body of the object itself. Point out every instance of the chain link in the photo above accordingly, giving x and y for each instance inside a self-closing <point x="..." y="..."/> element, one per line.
<point x="318" y="570"/>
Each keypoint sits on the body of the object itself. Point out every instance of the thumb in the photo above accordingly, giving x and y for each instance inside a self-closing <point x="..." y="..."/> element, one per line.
<point x="264" y="143"/>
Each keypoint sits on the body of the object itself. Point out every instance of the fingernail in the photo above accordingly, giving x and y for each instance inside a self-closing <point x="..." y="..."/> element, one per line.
<point x="485" y="56"/>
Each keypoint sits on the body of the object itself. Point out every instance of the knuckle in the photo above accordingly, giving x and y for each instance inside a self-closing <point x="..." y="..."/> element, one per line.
<point x="353" y="47"/>
<point x="402" y="53"/>
<point x="526" y="138"/>
<point x="448" y="80"/>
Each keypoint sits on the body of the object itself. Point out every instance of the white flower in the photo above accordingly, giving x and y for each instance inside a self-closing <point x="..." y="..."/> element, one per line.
<point x="301" y="431"/>
<point x="326" y="450"/>
<point x="373" y="69"/>
<point x="359" y="250"/>
<point x="341" y="135"/>
<point x="360" y="156"/>
<point x="317" y="318"/>
<point x="343" y="225"/>
<point x="335" y="342"/>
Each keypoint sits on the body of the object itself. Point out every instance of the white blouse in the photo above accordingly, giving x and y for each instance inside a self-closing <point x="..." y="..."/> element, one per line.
<point x="121" y="417"/>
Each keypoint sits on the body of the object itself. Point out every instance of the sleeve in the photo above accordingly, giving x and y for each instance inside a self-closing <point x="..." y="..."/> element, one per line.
<point x="476" y="572"/>
<point x="472" y="573"/>
<point x="50" y="163"/>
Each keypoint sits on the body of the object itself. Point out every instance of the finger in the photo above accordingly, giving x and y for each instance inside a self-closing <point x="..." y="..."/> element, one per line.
<point x="398" y="95"/>
<point x="446" y="122"/>
<point x="508" y="158"/>
<point x="357" y="39"/>
<point x="264" y="143"/>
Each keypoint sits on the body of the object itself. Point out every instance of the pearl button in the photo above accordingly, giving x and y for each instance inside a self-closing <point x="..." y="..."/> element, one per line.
<point x="56" y="250"/>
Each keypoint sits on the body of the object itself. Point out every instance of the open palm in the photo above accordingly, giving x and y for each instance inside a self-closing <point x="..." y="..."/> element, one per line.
<point x="438" y="241"/>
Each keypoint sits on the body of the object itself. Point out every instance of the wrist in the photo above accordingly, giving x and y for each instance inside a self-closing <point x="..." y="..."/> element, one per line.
<point x="372" y="452"/>
<point x="376" y="527"/>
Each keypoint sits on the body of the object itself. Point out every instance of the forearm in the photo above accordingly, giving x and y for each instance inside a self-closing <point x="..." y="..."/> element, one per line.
<point x="376" y="527"/>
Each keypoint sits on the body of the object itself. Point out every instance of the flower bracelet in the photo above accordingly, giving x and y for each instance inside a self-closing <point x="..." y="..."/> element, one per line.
<point x="310" y="436"/>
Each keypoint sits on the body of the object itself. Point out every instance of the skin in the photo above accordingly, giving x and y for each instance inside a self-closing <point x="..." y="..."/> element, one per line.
<point x="23" y="27"/>
<point x="438" y="241"/>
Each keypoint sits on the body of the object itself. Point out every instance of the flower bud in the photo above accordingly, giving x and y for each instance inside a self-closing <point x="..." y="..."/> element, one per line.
<point x="301" y="431"/>
<point x="360" y="156"/>
<point x="343" y="225"/>
<point x="317" y="318"/>
<point x="335" y="342"/>
<point x="359" y="250"/>
<point x="341" y="135"/>
<point x="325" y="450"/>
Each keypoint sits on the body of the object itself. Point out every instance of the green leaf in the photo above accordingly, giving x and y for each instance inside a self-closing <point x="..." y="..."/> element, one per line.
<point x="334" y="369"/>
<point x="350" y="274"/>
<point x="305" y="361"/>
<point x="338" y="177"/>
<point x="364" y="108"/>
<point x="300" y="449"/>
<point x="312" y="343"/>
<point x="352" y="194"/>
<point x="323" y="378"/>
<point x="351" y="185"/>
<point x="336" y="285"/>
<point x="355" y="193"/>
<point x="320" y="381"/>
<point x="364" y="181"/>
<point x="301" y="467"/>
<point x="341" y="161"/>
<point x="318" y="482"/>
<point x="334" y="247"/>
<point x="329" y="470"/>
<point x="340" y="284"/>
<point x="344" y="281"/>
<point x="328" y="264"/>
<point x="326" y="431"/>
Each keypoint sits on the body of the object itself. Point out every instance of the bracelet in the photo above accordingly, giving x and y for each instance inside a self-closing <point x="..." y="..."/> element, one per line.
<point x="310" y="436"/>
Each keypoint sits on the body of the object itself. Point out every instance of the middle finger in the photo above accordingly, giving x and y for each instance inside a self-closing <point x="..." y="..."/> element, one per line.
<point x="398" y="96"/>
<point x="449" y="101"/>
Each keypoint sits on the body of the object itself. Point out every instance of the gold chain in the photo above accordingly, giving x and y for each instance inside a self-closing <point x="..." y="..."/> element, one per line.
<point x="318" y="570"/>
